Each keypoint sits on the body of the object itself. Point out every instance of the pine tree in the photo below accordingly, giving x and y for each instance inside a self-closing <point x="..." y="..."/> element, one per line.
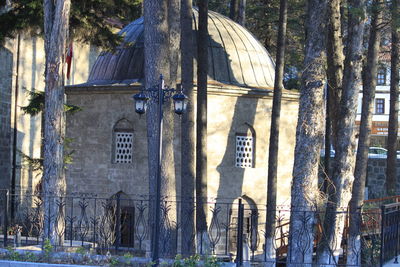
<point x="360" y="173"/>
<point x="56" y="19"/>
<point x="391" y="170"/>
<point x="274" y="134"/>
<point x="201" y="124"/>
<point x="309" y="137"/>
<point x="343" y="175"/>
<point x="188" y="129"/>
<point x="91" y="21"/>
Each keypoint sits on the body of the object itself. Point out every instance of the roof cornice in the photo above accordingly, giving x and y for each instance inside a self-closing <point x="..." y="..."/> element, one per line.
<point x="212" y="89"/>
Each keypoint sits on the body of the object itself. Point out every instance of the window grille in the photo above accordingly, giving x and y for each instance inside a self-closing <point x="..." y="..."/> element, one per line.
<point x="380" y="106"/>
<point x="123" y="147"/>
<point x="381" y="77"/>
<point x="244" y="151"/>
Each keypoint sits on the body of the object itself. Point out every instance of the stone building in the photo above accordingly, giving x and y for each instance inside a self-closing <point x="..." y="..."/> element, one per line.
<point x="240" y="90"/>
<point x="22" y="71"/>
<point x="240" y="82"/>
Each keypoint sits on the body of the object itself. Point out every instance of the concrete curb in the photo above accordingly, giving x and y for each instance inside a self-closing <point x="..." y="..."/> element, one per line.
<point x="37" y="264"/>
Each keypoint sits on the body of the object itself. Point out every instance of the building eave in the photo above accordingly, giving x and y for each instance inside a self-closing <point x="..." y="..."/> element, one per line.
<point x="212" y="89"/>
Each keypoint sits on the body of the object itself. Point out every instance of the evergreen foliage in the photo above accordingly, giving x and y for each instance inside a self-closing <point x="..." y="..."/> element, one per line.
<point x="36" y="104"/>
<point x="25" y="15"/>
<point x="34" y="108"/>
<point x="92" y="21"/>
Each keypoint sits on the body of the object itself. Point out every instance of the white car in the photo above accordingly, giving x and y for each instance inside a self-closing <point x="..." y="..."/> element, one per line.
<point x="373" y="153"/>
<point x="379" y="153"/>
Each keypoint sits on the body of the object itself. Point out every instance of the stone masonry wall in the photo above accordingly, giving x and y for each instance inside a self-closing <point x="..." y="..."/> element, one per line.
<point x="91" y="129"/>
<point x="376" y="178"/>
<point x="28" y="128"/>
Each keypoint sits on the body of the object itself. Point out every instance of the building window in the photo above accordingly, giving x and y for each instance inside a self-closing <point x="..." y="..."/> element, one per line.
<point x="122" y="142"/>
<point x="123" y="147"/>
<point x="381" y="77"/>
<point x="380" y="106"/>
<point x="244" y="151"/>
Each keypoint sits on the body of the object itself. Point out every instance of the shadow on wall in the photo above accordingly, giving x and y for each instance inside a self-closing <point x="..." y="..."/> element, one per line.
<point x="241" y="129"/>
<point x="221" y="68"/>
<point x="29" y="141"/>
<point x="35" y="127"/>
<point x="6" y="71"/>
<point x="241" y="140"/>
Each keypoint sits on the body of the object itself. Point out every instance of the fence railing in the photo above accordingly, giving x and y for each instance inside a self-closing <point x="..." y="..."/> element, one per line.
<point x="236" y="231"/>
<point x="390" y="232"/>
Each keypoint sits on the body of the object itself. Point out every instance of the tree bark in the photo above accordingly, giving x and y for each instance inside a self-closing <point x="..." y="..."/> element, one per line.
<point x="391" y="169"/>
<point x="309" y="137"/>
<point x="6" y="7"/>
<point x="201" y="126"/>
<point x="335" y="64"/>
<point x="335" y="60"/>
<point x="174" y="30"/>
<point x="174" y="34"/>
<point x="187" y="131"/>
<point x="274" y="136"/>
<point x="343" y="176"/>
<point x="233" y="9"/>
<point x="56" y="21"/>
<point x="241" y="18"/>
<point x="268" y="27"/>
<point x="360" y="173"/>
<point x="157" y="57"/>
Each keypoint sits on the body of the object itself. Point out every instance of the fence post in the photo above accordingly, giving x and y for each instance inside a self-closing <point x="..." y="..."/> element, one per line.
<point x="5" y="229"/>
<point x="239" y="244"/>
<point x="382" y="234"/>
<point x="118" y="222"/>
<point x="71" y="223"/>
<point x="397" y="234"/>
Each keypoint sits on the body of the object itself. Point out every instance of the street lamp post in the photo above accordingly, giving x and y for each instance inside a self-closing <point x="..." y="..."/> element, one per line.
<point x="159" y="94"/>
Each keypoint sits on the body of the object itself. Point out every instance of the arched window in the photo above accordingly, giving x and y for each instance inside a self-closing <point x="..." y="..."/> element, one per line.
<point x="123" y="142"/>
<point x="245" y="143"/>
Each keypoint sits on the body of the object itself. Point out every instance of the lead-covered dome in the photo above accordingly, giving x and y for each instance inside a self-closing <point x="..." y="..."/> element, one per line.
<point x="235" y="56"/>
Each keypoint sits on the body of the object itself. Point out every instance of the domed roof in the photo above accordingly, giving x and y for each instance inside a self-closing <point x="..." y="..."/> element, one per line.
<point x="235" y="56"/>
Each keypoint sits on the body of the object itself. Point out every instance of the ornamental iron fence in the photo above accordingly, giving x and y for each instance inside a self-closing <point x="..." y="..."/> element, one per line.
<point x="236" y="228"/>
<point x="390" y="232"/>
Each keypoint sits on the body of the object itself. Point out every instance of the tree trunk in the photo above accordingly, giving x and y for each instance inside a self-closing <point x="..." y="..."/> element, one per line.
<point x="156" y="43"/>
<point x="233" y="9"/>
<point x="335" y="65"/>
<point x="201" y="127"/>
<point x="343" y="176"/>
<point x="268" y="27"/>
<point x="369" y="84"/>
<point x="241" y="18"/>
<point x="309" y="137"/>
<point x="274" y="136"/>
<point x="174" y="30"/>
<point x="335" y="60"/>
<point x="56" y="20"/>
<point x="6" y="7"/>
<point x="391" y="169"/>
<point x="187" y="130"/>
